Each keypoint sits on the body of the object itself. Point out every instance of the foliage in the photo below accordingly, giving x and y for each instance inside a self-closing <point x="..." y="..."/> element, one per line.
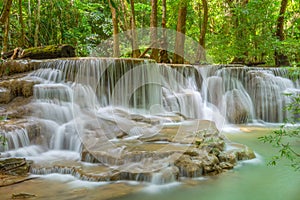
<point x="241" y="29"/>
<point x="81" y="23"/>
<point x="2" y="138"/>
<point x="282" y="139"/>
<point x="286" y="139"/>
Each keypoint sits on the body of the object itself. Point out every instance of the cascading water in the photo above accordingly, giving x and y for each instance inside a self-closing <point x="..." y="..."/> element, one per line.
<point x="15" y="139"/>
<point x="96" y="108"/>
<point x="248" y="94"/>
<point x="19" y="140"/>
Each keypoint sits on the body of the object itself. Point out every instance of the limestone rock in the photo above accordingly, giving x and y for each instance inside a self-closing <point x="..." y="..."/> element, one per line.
<point x="14" y="166"/>
<point x="228" y="157"/>
<point x="5" y="95"/>
<point x="211" y="165"/>
<point x="237" y="105"/>
<point x="187" y="167"/>
<point x="15" y="87"/>
<point x="226" y="165"/>
<point x="244" y="154"/>
<point x="22" y="196"/>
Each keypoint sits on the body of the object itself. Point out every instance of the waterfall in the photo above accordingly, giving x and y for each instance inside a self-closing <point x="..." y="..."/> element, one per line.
<point x="102" y="97"/>
<point x="15" y="139"/>
<point x="105" y="110"/>
<point x="71" y="87"/>
<point x="17" y="143"/>
<point x="248" y="94"/>
<point x="116" y="82"/>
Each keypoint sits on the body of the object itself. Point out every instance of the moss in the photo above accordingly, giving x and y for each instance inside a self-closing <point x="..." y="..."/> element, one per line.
<point x="37" y="50"/>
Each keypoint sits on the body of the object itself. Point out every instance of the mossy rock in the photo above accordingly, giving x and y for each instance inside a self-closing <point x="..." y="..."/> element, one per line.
<point x="49" y="52"/>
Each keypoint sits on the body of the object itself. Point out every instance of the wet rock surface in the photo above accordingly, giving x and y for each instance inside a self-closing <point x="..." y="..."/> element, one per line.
<point x="14" y="166"/>
<point x="170" y="154"/>
<point x="16" y="93"/>
<point x="11" y="89"/>
<point x="184" y="148"/>
<point x="13" y="171"/>
<point x="142" y="161"/>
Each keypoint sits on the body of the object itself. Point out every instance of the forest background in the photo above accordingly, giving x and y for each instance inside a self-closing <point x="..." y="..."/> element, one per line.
<point x="231" y="31"/>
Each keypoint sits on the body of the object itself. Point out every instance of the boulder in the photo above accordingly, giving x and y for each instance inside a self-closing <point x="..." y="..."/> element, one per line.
<point x="188" y="167"/>
<point x="228" y="157"/>
<point x="226" y="165"/>
<point x="244" y="154"/>
<point x="211" y="165"/>
<point x="237" y="106"/>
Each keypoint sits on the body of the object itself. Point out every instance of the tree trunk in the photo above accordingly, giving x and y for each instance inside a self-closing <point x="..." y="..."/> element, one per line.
<point x="6" y="11"/>
<point x="180" y="36"/>
<point x="6" y="34"/>
<point x="237" y="20"/>
<point x="201" y="51"/>
<point x="22" y="38"/>
<point x="126" y="24"/>
<point x="29" y="21"/>
<point x="116" y="30"/>
<point x="204" y="24"/>
<point x="135" y="46"/>
<point x="280" y="58"/>
<point x="164" y="57"/>
<point x="60" y="37"/>
<point x="4" y="21"/>
<point x="37" y="25"/>
<point x="153" y="30"/>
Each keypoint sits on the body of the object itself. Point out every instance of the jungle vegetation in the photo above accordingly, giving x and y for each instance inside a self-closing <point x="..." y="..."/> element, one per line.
<point x="231" y="31"/>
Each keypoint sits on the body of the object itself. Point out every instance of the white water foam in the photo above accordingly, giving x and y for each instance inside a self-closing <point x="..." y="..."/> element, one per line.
<point x="154" y="188"/>
<point x="71" y="181"/>
<point x="55" y="155"/>
<point x="27" y="151"/>
<point x="258" y="160"/>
